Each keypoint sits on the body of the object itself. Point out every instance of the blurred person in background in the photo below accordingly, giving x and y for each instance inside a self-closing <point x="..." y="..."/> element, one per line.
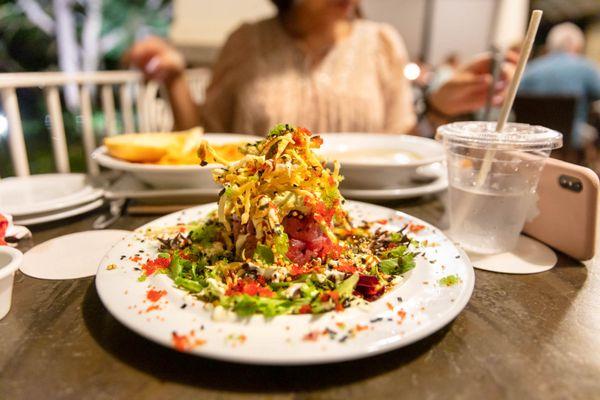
<point x="317" y="64"/>
<point x="565" y="71"/>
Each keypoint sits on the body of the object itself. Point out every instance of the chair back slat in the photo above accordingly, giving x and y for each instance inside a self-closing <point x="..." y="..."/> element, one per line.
<point x="143" y="107"/>
<point x="38" y="79"/>
<point x="198" y="80"/>
<point x="16" y="141"/>
<point x="108" y="108"/>
<point x="126" y="107"/>
<point x="140" y="105"/>
<point x="57" y="129"/>
<point x="87" y="125"/>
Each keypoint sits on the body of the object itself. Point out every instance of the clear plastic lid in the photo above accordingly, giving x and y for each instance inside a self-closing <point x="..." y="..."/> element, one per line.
<point x="514" y="136"/>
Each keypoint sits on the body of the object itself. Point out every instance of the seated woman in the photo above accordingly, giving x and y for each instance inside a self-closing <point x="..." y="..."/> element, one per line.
<point x="316" y="64"/>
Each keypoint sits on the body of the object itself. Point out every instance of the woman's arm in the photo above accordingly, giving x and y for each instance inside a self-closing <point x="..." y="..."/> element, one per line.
<point x="466" y="91"/>
<point x="399" y="111"/>
<point x="162" y="63"/>
<point x="186" y="112"/>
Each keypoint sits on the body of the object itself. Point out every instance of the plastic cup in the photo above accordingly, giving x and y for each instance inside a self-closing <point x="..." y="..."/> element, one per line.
<point x="493" y="178"/>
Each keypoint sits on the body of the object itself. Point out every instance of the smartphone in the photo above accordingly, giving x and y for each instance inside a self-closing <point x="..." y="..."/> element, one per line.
<point x="568" y="208"/>
<point x="495" y="65"/>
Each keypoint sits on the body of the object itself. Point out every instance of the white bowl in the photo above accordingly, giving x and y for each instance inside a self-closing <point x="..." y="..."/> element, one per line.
<point x="172" y="176"/>
<point x="383" y="161"/>
<point x="10" y="260"/>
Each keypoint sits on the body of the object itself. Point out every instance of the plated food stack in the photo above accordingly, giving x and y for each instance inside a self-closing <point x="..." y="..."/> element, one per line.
<point x="281" y="242"/>
<point x="281" y="186"/>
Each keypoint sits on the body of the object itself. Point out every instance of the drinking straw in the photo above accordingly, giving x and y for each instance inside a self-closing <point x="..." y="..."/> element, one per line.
<point x="486" y="165"/>
<point x="534" y="23"/>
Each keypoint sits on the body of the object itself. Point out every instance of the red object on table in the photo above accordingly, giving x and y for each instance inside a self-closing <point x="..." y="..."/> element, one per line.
<point x="3" y="228"/>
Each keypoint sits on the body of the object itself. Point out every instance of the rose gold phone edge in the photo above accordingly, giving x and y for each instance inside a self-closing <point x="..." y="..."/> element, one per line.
<point x="567" y="220"/>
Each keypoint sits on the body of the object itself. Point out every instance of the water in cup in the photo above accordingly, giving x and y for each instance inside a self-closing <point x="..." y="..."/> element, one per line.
<point x="493" y="221"/>
<point x="492" y="180"/>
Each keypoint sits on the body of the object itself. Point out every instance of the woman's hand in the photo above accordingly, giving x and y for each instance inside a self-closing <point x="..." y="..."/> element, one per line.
<point x="157" y="59"/>
<point x="161" y="62"/>
<point x="467" y="90"/>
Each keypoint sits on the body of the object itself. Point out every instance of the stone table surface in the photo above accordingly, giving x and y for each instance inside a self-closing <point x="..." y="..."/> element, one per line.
<point x="520" y="337"/>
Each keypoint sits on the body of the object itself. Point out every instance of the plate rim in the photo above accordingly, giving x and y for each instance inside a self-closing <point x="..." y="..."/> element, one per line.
<point x="436" y="186"/>
<point x="71" y="212"/>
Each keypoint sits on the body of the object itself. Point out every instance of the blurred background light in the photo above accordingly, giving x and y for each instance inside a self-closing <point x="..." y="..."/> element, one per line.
<point x="412" y="71"/>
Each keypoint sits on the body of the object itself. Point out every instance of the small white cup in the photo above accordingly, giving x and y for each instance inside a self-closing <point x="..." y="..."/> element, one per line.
<point x="10" y="260"/>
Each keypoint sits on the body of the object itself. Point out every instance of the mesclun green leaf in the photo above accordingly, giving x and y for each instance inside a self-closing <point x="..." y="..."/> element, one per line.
<point x="449" y="280"/>
<point x="396" y="236"/>
<point x="397" y="261"/>
<point x="245" y="305"/>
<point x="282" y="243"/>
<point x="204" y="234"/>
<point x="388" y="266"/>
<point x="188" y="284"/>
<point x="330" y="194"/>
<point x="197" y="267"/>
<point x="346" y="288"/>
<point x="396" y="252"/>
<point x="408" y="263"/>
<point x="176" y="266"/>
<point x="264" y="253"/>
<point x="280" y="129"/>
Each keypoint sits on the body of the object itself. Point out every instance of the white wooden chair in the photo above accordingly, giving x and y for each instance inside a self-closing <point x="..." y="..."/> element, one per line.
<point x="142" y="108"/>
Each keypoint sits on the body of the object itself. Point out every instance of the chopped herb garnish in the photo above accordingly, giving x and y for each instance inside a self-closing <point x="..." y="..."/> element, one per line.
<point x="449" y="280"/>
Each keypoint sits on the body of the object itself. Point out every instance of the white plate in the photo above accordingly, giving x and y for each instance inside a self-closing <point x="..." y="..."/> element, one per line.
<point x="128" y="187"/>
<point x="172" y="176"/>
<point x="43" y="193"/>
<point x="55" y="216"/>
<point x="436" y="186"/>
<point x="380" y="161"/>
<point x="282" y="340"/>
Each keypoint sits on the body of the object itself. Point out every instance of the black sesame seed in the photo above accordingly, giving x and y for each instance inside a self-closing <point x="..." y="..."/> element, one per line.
<point x="183" y="306"/>
<point x="330" y="332"/>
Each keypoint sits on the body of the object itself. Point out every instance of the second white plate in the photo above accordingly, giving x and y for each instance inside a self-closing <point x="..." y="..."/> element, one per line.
<point x="55" y="216"/>
<point x="21" y="196"/>
<point x="436" y="186"/>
